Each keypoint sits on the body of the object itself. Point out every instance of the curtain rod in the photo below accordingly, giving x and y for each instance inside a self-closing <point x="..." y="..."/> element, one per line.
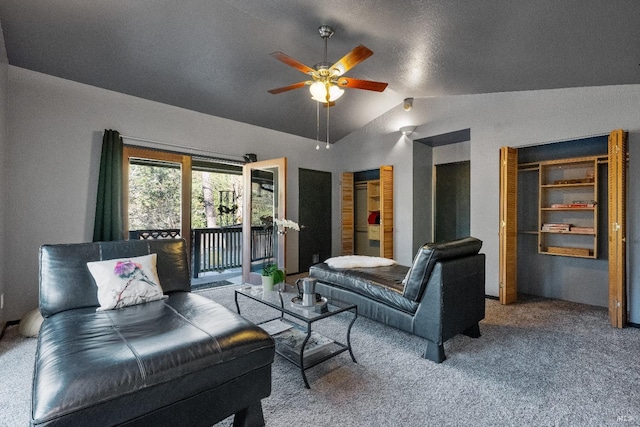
<point x="190" y="150"/>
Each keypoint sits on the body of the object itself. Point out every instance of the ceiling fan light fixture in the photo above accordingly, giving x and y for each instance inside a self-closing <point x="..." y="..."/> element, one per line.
<point x="319" y="92"/>
<point x="334" y="93"/>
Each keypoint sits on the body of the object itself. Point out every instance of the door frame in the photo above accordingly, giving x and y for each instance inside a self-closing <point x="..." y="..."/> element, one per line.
<point x="386" y="212"/>
<point x="456" y="193"/>
<point x="280" y="165"/>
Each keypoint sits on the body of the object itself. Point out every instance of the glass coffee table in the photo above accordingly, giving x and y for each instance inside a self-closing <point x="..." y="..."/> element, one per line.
<point x="292" y="330"/>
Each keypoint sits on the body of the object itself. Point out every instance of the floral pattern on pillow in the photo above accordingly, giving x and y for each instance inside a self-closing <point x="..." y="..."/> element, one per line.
<point x="126" y="281"/>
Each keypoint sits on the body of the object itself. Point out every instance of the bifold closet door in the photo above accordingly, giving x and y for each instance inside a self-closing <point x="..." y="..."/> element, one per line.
<point x="508" y="226"/>
<point x="617" y="172"/>
<point x="347" y="213"/>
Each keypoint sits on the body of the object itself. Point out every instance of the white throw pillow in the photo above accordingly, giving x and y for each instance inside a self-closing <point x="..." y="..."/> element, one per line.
<point x="355" y="261"/>
<point x="126" y="281"/>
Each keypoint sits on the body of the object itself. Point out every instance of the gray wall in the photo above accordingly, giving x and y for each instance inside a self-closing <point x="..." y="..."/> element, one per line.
<point x="422" y="195"/>
<point x="500" y="119"/>
<point x="55" y="129"/>
<point x="56" y="133"/>
<point x="4" y="141"/>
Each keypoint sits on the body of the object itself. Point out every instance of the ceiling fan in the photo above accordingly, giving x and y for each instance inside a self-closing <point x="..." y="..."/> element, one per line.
<point x="327" y="79"/>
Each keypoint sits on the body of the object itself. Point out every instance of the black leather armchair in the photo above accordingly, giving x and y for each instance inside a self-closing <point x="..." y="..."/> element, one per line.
<point x="183" y="360"/>
<point x="441" y="295"/>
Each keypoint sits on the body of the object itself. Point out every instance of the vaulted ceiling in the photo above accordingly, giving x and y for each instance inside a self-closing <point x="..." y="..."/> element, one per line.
<point x="212" y="56"/>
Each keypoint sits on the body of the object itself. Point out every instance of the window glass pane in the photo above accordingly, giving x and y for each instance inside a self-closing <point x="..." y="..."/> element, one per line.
<point x="216" y="199"/>
<point x="154" y="196"/>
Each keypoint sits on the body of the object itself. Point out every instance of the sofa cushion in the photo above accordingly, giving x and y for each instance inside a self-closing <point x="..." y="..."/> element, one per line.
<point x="382" y="284"/>
<point x="121" y="364"/>
<point x="431" y="253"/>
<point x="126" y="281"/>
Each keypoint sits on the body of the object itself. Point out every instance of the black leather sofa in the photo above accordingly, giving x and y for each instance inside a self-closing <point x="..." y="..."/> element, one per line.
<point x="180" y="361"/>
<point x="441" y="295"/>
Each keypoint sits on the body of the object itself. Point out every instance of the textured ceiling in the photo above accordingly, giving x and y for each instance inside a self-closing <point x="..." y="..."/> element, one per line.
<point x="213" y="56"/>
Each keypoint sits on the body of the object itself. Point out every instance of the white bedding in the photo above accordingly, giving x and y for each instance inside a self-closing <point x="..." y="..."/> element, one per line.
<point x="353" y="261"/>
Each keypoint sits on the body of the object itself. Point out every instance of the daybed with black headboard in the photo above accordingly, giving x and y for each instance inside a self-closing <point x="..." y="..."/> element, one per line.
<point x="439" y="296"/>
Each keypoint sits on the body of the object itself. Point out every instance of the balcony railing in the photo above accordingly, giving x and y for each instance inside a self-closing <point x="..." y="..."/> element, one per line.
<point x="172" y="233"/>
<point x="218" y="249"/>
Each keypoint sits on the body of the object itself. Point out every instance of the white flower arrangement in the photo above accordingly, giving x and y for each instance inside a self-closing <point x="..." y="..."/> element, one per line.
<point x="286" y="223"/>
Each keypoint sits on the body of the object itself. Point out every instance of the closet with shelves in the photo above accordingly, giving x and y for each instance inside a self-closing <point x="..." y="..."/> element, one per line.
<point x="373" y="209"/>
<point x="568" y="214"/>
<point x="377" y="210"/>
<point x="563" y="222"/>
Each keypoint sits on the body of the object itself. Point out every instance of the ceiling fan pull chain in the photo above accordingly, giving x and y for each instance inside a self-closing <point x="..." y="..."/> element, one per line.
<point x="328" y="108"/>
<point x="317" y="125"/>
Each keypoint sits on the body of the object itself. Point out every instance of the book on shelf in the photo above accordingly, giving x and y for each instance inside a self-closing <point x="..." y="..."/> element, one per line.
<point x="291" y="340"/>
<point x="576" y="204"/>
<point x="582" y="205"/>
<point x="556" y="227"/>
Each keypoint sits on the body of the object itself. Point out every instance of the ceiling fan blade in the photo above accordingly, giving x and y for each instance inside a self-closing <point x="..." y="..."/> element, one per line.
<point x="353" y="58"/>
<point x="361" y="84"/>
<point x="287" y="88"/>
<point x="293" y="63"/>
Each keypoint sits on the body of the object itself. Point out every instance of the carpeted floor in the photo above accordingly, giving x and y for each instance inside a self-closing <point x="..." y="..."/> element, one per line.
<point x="538" y="363"/>
<point x="210" y="285"/>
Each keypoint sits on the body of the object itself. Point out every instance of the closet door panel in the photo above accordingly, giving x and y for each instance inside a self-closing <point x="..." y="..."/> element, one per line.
<point x="386" y="212"/>
<point x="508" y="226"/>
<point x="348" y="215"/>
<point x="617" y="172"/>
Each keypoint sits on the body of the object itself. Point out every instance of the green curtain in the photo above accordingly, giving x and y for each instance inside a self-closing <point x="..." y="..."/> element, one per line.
<point x="109" y="223"/>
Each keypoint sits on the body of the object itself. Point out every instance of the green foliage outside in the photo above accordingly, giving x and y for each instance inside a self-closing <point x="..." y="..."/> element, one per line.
<point x="154" y="198"/>
<point x="262" y="206"/>
<point x="216" y="199"/>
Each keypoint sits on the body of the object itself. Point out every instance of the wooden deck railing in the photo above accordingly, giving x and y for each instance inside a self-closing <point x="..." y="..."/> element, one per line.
<point x="217" y="249"/>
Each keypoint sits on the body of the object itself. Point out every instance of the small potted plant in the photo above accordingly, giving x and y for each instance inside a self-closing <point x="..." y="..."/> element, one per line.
<point x="271" y="275"/>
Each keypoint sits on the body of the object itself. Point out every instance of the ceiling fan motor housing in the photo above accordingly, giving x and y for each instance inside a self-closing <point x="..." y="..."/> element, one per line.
<point x="325" y="31"/>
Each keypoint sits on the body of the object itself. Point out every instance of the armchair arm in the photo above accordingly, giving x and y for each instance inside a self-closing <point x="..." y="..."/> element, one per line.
<point x="453" y="299"/>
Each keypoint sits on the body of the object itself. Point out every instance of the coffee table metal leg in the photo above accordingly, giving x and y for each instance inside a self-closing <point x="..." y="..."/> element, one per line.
<point x="304" y="344"/>
<point x="349" y="334"/>
<point x="236" y="299"/>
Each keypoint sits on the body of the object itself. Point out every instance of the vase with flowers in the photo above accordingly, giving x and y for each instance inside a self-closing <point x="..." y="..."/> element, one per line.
<point x="282" y="225"/>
